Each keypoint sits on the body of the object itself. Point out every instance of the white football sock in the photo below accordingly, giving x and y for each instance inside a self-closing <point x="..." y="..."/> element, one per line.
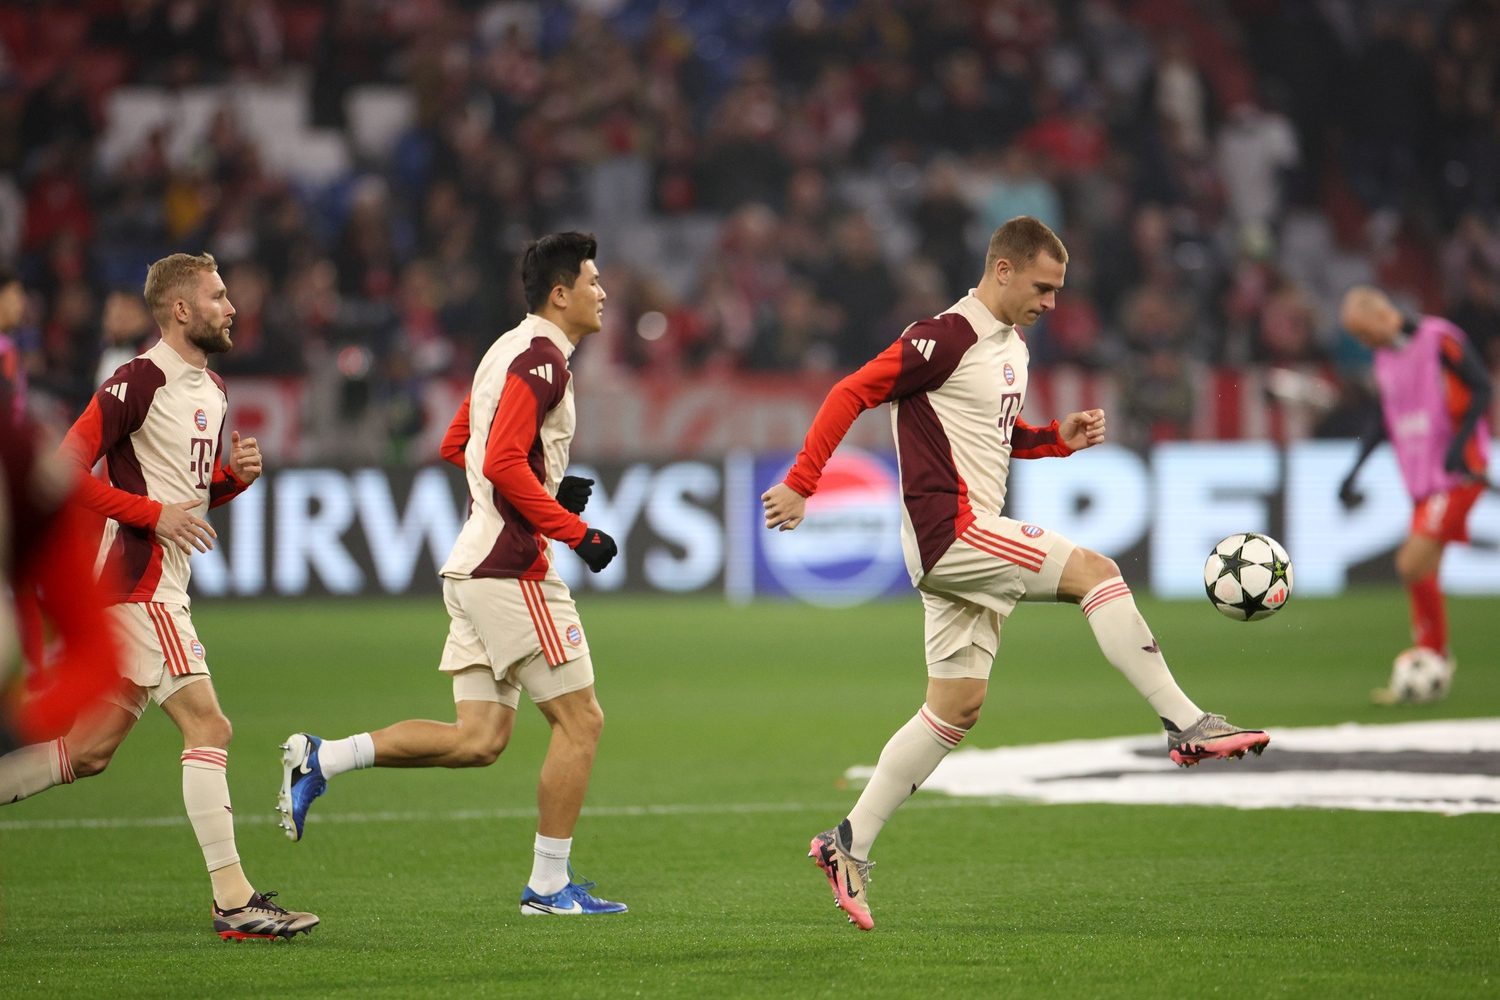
<point x="549" y="867"/>
<point x="205" y="794"/>
<point x="909" y="758"/>
<point x="352" y="753"/>
<point x="33" y="769"/>
<point x="1127" y="642"/>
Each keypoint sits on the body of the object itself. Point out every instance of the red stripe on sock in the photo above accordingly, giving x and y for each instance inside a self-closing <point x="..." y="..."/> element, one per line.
<point x="207" y="755"/>
<point x="948" y="734"/>
<point x="65" y="768"/>
<point x="1104" y="594"/>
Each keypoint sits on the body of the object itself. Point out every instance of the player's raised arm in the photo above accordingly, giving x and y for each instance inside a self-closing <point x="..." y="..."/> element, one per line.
<point x="919" y="360"/>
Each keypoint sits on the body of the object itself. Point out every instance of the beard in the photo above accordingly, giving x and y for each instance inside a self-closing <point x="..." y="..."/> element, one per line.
<point x="208" y="340"/>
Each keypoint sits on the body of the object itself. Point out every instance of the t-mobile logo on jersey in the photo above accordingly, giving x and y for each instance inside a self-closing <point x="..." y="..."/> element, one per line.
<point x="1010" y="409"/>
<point x="200" y="459"/>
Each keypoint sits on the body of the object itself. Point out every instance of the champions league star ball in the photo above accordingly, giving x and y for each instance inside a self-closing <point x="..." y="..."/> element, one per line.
<point x="1248" y="576"/>
<point x="1419" y="675"/>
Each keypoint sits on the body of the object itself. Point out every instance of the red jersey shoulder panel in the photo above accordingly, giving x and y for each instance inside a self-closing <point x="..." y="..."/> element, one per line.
<point x="544" y="369"/>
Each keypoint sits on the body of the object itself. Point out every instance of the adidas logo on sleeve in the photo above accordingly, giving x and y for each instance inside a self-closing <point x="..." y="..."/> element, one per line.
<point x="543" y="372"/>
<point x="924" y="346"/>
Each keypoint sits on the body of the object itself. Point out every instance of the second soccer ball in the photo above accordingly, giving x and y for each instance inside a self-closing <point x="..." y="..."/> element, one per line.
<point x="1248" y="576"/>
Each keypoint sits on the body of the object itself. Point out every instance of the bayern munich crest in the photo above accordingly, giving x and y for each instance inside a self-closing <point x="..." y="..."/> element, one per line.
<point x="574" y="634"/>
<point x="200" y="419"/>
<point x="1010" y="374"/>
<point x="1031" y="531"/>
<point x="197" y="648"/>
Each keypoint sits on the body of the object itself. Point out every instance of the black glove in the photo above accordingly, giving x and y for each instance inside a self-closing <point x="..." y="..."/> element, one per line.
<point x="1349" y="496"/>
<point x="596" y="549"/>
<point x="573" y="493"/>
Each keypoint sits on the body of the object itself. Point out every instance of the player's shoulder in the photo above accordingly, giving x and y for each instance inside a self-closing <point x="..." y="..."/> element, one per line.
<point x="218" y="381"/>
<point x="539" y="358"/>
<point x="947" y="326"/>
<point x="141" y="374"/>
<point x="944" y="338"/>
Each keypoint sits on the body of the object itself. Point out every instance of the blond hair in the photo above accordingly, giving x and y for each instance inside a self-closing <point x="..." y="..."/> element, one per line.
<point x="166" y="278"/>
<point x="1021" y="241"/>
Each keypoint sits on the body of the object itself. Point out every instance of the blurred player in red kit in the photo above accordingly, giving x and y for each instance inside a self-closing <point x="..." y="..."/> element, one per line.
<point x="44" y="553"/>
<point x="1435" y="397"/>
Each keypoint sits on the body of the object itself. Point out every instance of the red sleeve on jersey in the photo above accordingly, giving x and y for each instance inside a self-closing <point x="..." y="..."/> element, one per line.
<point x="920" y="360"/>
<point x="1027" y="441"/>
<point x="862" y="390"/>
<point x="457" y="437"/>
<point x="518" y="419"/>
<point x="87" y="666"/>
<point x="93" y="434"/>
<point x="225" y="486"/>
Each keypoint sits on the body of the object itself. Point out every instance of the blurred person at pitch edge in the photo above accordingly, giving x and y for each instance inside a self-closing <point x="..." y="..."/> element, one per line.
<point x="158" y="422"/>
<point x="12" y="371"/>
<point x="43" y="551"/>
<point x="1434" y="399"/>
<point x="957" y="384"/>
<point x="28" y="614"/>
<point x="513" y="625"/>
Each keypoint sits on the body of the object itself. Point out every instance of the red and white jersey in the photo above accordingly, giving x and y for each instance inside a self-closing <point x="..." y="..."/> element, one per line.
<point x="956" y="384"/>
<point x="511" y="437"/>
<point x="158" y="423"/>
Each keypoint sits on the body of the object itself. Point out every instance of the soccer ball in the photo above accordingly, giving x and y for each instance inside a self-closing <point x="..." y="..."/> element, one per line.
<point x="1248" y="576"/>
<point x="1419" y="675"/>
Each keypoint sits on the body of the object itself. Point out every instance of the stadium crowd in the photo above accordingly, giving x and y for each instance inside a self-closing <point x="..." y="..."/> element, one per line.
<point x="776" y="187"/>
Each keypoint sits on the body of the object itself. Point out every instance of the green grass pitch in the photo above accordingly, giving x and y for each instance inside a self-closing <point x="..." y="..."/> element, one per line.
<point x="727" y="734"/>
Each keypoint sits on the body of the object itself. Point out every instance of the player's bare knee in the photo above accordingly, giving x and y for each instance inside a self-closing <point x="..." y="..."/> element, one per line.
<point x="967" y="714"/>
<point x="87" y="762"/>
<point x="213" y="731"/>
<point x="1099" y="567"/>
<point x="481" y="750"/>
<point x="579" y="716"/>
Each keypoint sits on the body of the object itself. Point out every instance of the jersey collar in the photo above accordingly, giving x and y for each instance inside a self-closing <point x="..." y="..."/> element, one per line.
<point x="979" y="316"/>
<point x="553" y="332"/>
<point x="169" y="361"/>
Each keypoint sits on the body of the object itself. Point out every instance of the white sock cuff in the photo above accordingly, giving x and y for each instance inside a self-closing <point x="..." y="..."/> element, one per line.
<point x="206" y="758"/>
<point x="553" y="847"/>
<point x="64" y="765"/>
<point x="364" y="751"/>
<point x="1105" y="593"/>
<point x="945" y="733"/>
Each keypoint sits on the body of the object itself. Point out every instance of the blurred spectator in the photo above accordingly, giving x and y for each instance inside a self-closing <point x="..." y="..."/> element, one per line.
<point x="859" y="285"/>
<point x="127" y="330"/>
<point x="785" y="184"/>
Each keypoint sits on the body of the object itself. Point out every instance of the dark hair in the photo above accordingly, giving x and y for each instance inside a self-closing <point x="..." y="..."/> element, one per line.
<point x="1021" y="241"/>
<point x="8" y="277"/>
<point x="554" y="260"/>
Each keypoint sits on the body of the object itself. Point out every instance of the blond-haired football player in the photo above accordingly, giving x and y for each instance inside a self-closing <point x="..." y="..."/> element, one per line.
<point x="158" y="422"/>
<point x="956" y="384"/>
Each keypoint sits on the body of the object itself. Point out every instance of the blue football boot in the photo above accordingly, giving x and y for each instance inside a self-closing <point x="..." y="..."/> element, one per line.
<point x="572" y="900"/>
<point x="301" y="781"/>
